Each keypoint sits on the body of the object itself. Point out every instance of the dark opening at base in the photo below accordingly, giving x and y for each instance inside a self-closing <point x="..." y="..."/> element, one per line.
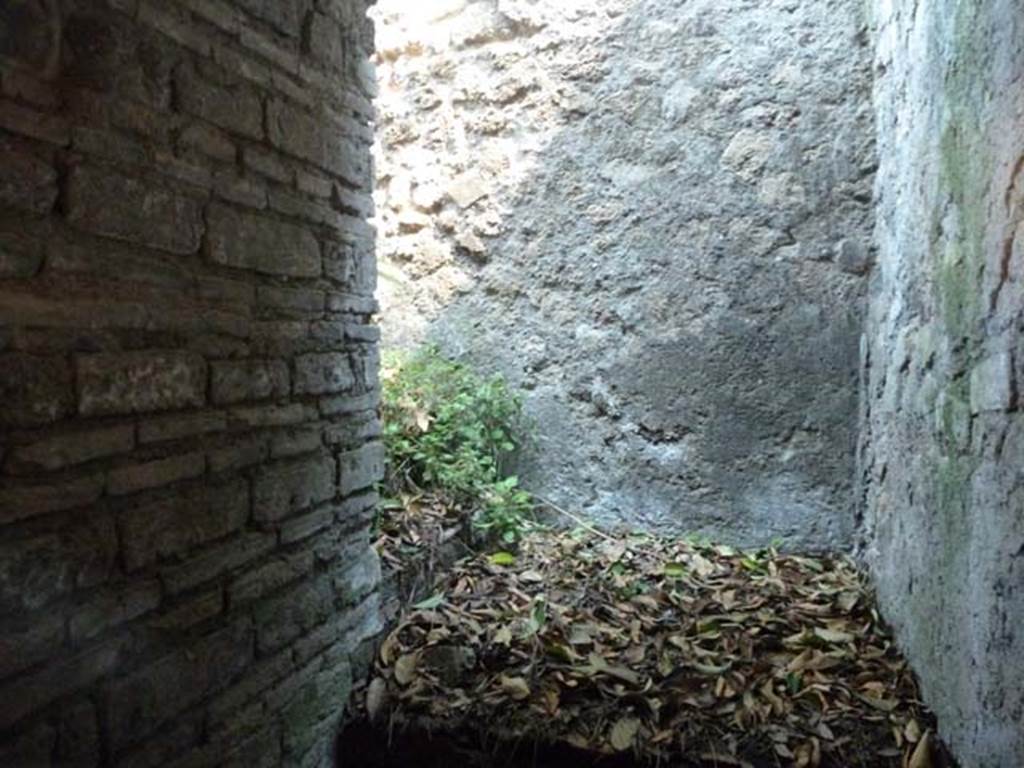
<point x="362" y="745"/>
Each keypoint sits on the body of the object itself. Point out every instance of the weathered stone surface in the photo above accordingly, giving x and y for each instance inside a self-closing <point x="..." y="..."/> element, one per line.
<point x="26" y="182"/>
<point x="942" y="438"/>
<point x="112" y="608"/>
<point x="322" y="374"/>
<point x="325" y="41"/>
<point x="20" y="256"/>
<point x="263" y="244"/>
<point x="270" y="577"/>
<point x="139" y="382"/>
<point x="75" y="448"/>
<point x="20" y="501"/>
<point x="297" y="611"/>
<point x="36" y="570"/>
<point x="144" y="700"/>
<point x="165" y="428"/>
<point x="238" y="381"/>
<point x="290" y="487"/>
<point x="315" y="139"/>
<point x="34" y="389"/>
<point x="361" y="468"/>
<point x="171" y="526"/>
<point x="107" y="203"/>
<point x="214" y="562"/>
<point x="161" y="251"/>
<point x="153" y="474"/>
<point x="61" y="678"/>
<point x="235" y="108"/>
<point x="28" y="641"/>
<point x="347" y="265"/>
<point x="635" y="217"/>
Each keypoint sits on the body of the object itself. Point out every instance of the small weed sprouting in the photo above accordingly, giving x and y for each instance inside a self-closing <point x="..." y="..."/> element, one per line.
<point x="453" y="432"/>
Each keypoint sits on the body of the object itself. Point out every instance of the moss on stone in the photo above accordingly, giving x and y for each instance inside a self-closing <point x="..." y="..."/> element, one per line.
<point x="964" y="176"/>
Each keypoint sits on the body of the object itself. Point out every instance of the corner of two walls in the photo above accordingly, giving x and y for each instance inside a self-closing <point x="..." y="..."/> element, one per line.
<point x="188" y="380"/>
<point x="655" y="218"/>
<point x="942" y="444"/>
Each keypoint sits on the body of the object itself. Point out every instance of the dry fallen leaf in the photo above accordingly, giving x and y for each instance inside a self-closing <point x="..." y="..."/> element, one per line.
<point x="376" y="699"/>
<point x="405" y="668"/>
<point x="623" y="733"/>
<point x="516" y="687"/>
<point x="922" y="754"/>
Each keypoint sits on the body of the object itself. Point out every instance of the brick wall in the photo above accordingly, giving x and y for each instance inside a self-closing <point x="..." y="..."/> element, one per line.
<point x="187" y="379"/>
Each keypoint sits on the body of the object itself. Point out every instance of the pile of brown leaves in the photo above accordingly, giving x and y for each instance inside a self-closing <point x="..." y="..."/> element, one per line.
<point x="662" y="648"/>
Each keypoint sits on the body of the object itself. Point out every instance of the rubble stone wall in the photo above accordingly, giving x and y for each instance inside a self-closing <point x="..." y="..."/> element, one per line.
<point x="188" y="380"/>
<point x="943" y="434"/>
<point x="654" y="216"/>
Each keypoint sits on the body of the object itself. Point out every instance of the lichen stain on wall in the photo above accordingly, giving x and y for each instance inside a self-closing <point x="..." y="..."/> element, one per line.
<point x="942" y="438"/>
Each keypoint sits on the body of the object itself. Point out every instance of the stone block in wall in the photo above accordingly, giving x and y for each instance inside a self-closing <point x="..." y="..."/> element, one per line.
<point x="291" y="487"/>
<point x="72" y="448"/>
<point x="143" y="700"/>
<point x="112" y="608"/>
<point x="284" y="17"/>
<point x="20" y="501"/>
<point x="23" y="642"/>
<point x="268" y="164"/>
<point x="292" y="301"/>
<point x="27" y="183"/>
<point x="251" y="241"/>
<point x="294" y="442"/>
<point x="193" y="610"/>
<point x="270" y="577"/>
<point x="992" y="384"/>
<point x="361" y="468"/>
<point x="62" y="677"/>
<point x="208" y="140"/>
<point x="325" y="41"/>
<point x="359" y="579"/>
<point x="236" y="108"/>
<point x="34" y="389"/>
<point x="234" y="381"/>
<point x="171" y="526"/>
<point x="323" y="373"/>
<point x="315" y="139"/>
<point x="302" y="527"/>
<point x="234" y="188"/>
<point x="139" y="382"/>
<point x="78" y="739"/>
<point x="37" y="569"/>
<point x="239" y="455"/>
<point x="110" y="54"/>
<point x="21" y="256"/>
<point x="271" y="415"/>
<point x="23" y="121"/>
<point x="349" y="265"/>
<point x="213" y="563"/>
<point x="154" y="474"/>
<point x="296" y="612"/>
<point x="315" y="701"/>
<point x="107" y="203"/>
<point x="180" y="426"/>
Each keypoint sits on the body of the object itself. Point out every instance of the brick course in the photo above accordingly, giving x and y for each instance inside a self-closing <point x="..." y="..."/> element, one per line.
<point x="187" y="368"/>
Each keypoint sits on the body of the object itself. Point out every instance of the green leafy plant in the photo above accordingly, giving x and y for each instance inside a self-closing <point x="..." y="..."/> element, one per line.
<point x="451" y="431"/>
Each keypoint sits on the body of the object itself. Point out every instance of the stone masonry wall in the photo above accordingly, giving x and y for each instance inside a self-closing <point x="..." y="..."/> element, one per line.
<point x="943" y="432"/>
<point x="655" y="216"/>
<point x="188" y="380"/>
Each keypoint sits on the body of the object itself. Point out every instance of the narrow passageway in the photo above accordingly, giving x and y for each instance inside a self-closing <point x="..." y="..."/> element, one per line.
<point x="511" y="382"/>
